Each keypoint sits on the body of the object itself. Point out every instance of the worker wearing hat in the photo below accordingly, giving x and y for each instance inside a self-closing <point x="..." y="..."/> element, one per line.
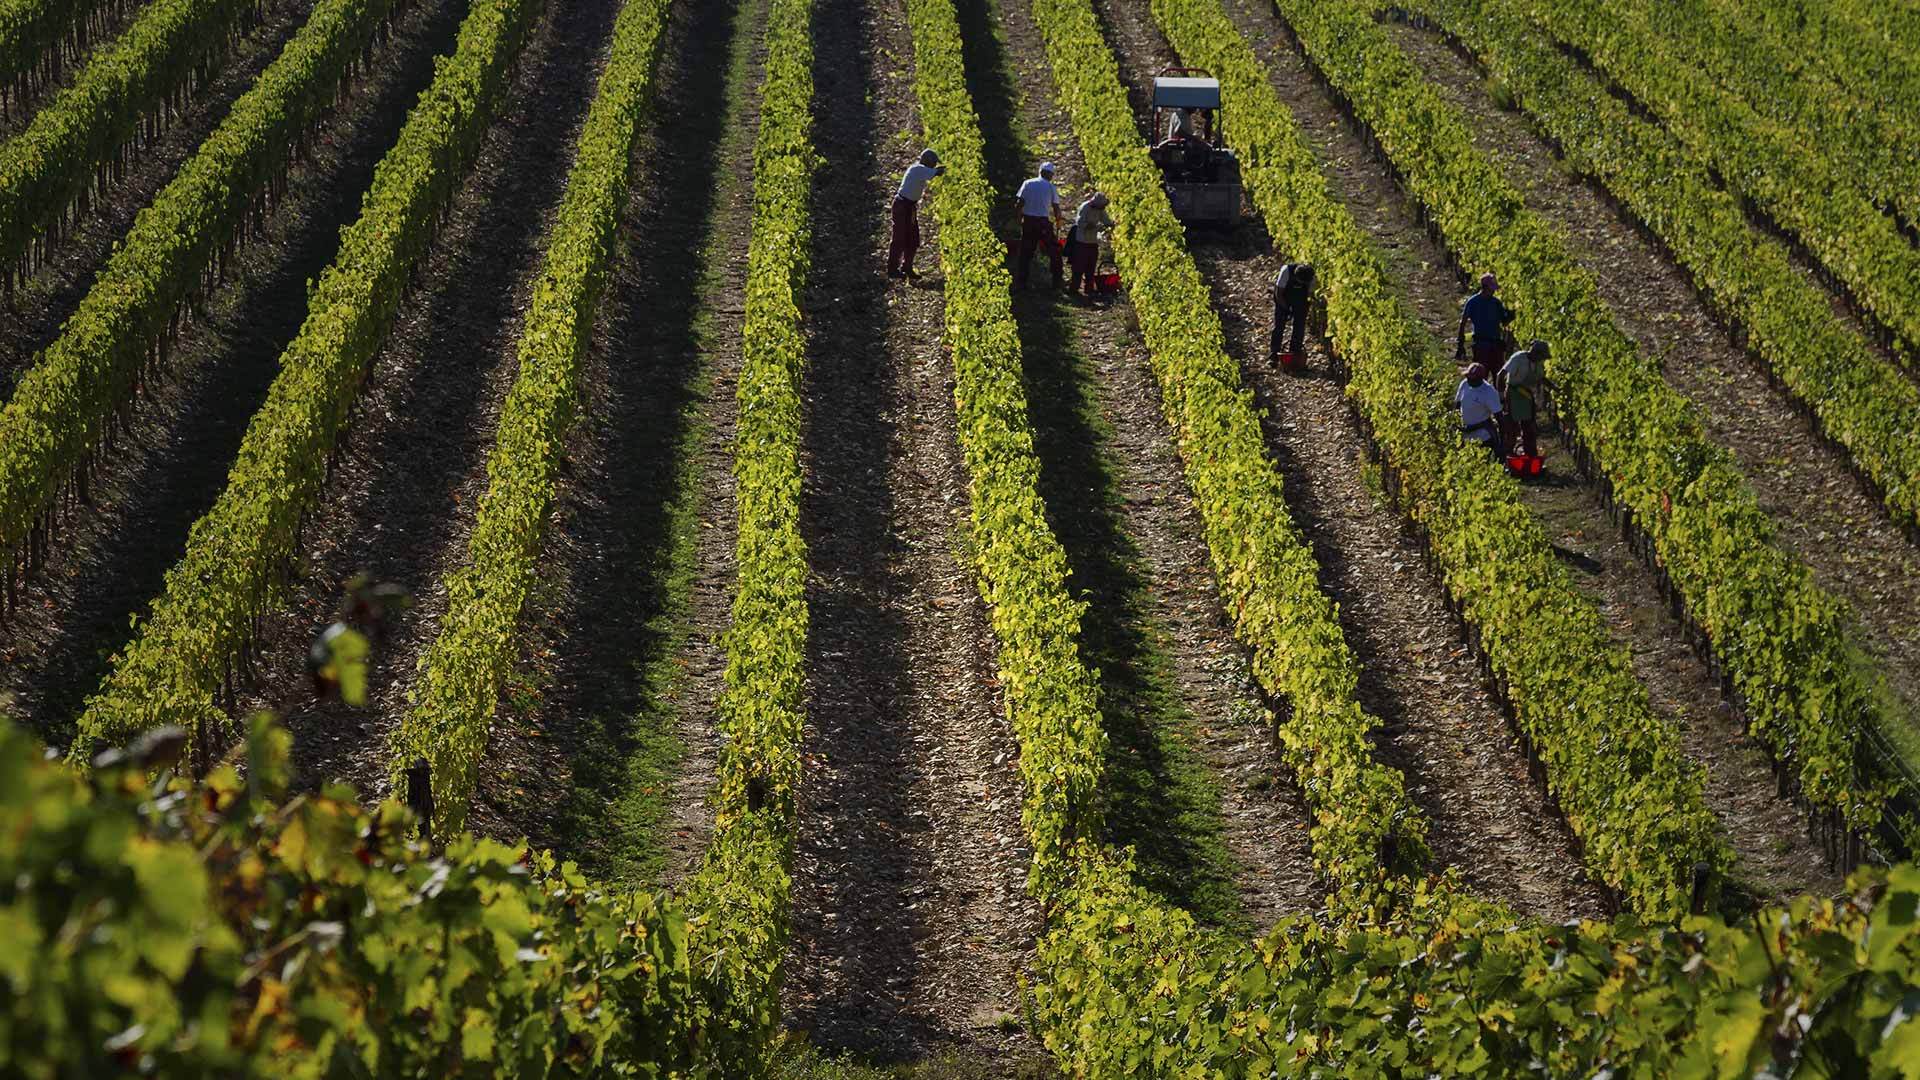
<point x="1039" y="221"/>
<point x="1520" y="382"/>
<point x="1489" y="318"/>
<point x="906" y="213"/>
<point x="1083" y="241"/>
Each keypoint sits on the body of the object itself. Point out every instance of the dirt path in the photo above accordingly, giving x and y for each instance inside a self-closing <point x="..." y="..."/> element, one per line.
<point x="48" y="298"/>
<point x="621" y="664"/>
<point x="1197" y="789"/>
<point x="412" y="464"/>
<point x="110" y="559"/>
<point x="910" y="916"/>
<point x="1776" y="857"/>
<point x="1441" y="724"/>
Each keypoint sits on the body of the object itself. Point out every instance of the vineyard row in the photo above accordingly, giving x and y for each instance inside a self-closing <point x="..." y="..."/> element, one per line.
<point x="241" y="934"/>
<point x="1616" y="770"/>
<point x="1784" y="644"/>
<point x="1866" y="46"/>
<point x="80" y="387"/>
<point x="1861" y="401"/>
<point x="451" y="710"/>
<point x="1862" y="139"/>
<point x="39" y="38"/>
<point x="740" y="896"/>
<point x="1128" y="986"/>
<point x="182" y="659"/>
<point x="1801" y="184"/>
<point x="126" y="89"/>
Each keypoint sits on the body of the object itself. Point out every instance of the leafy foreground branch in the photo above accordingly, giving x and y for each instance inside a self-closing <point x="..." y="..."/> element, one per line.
<point x="214" y="931"/>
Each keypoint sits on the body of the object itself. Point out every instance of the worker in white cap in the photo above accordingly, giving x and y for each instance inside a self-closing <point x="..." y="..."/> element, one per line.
<point x="906" y="213"/>
<point x="1040" y="208"/>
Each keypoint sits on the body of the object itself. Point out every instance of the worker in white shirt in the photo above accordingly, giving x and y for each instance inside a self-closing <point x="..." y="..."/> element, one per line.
<point x="1479" y="404"/>
<point x="1039" y="220"/>
<point x="906" y="213"/>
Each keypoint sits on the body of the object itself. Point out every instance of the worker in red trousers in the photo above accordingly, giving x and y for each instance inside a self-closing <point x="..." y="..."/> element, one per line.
<point x="1519" y="382"/>
<point x="906" y="214"/>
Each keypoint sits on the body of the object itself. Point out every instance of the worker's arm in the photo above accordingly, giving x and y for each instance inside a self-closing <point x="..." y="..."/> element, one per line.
<point x="1460" y="342"/>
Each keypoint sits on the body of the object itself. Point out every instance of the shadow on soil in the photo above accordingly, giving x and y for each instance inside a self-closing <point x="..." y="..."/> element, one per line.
<point x="856" y="647"/>
<point x="611" y="710"/>
<point x="1161" y="798"/>
<point x="425" y="416"/>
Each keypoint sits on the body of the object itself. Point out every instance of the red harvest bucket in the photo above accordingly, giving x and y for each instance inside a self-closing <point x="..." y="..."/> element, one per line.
<point x="1291" y="362"/>
<point x="1106" y="283"/>
<point x="1523" y="465"/>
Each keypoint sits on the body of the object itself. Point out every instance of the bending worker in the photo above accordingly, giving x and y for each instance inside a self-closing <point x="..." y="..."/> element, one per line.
<point x="1083" y="241"/>
<point x="906" y="213"/>
<point x="1039" y="218"/>
<point x="1520" y="382"/>
<point x="1479" y="406"/>
<point x="1489" y="318"/>
<point x="1290" y="293"/>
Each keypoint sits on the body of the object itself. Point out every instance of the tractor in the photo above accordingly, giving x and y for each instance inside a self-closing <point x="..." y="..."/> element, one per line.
<point x="1201" y="174"/>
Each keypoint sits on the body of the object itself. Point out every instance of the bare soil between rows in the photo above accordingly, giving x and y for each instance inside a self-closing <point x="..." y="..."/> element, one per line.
<point x="910" y="918"/>
<point x="1778" y="857"/>
<point x="1822" y="513"/>
<point x="1194" y="771"/>
<point x="608" y="749"/>
<point x="1441" y="725"/>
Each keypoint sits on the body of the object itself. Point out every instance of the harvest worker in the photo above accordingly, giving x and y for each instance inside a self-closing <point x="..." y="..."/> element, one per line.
<point x="1180" y="125"/>
<point x="1489" y="318"/>
<point x="906" y="217"/>
<point x="1520" y="381"/>
<point x="1290" y="293"/>
<point x="1039" y="220"/>
<point x="1083" y="241"/>
<point x="1479" y="406"/>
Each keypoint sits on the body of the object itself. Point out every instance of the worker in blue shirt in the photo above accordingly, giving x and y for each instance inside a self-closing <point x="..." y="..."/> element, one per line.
<point x="1489" y="318"/>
